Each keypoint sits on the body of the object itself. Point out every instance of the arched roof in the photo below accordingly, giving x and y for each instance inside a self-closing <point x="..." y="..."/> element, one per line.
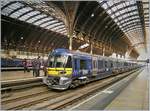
<point x="103" y="23"/>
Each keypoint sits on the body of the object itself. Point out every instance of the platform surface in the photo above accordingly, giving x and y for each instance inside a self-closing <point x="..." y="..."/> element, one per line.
<point x="135" y="96"/>
<point x="14" y="75"/>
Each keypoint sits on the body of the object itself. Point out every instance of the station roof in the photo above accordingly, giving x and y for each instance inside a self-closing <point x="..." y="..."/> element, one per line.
<point x="46" y="25"/>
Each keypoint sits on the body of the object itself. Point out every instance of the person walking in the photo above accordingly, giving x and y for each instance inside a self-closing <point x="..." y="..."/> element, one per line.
<point x="33" y="67"/>
<point x="45" y="67"/>
<point x="38" y="66"/>
<point x="25" y="65"/>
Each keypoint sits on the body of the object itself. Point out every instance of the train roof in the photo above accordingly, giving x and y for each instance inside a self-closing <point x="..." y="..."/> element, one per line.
<point x="69" y="52"/>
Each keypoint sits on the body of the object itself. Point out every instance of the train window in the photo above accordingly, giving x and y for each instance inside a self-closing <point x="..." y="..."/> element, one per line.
<point x="106" y="64"/>
<point x="94" y="63"/>
<point x="69" y="62"/>
<point x="75" y="64"/>
<point x="111" y="64"/>
<point x="100" y="64"/>
<point x="83" y="64"/>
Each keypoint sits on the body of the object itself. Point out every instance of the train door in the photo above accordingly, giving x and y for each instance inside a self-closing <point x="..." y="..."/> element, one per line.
<point x="100" y="66"/>
<point x="95" y="65"/>
<point x="76" y="67"/>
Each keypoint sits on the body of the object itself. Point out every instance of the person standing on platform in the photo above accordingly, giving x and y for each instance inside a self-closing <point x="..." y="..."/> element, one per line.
<point x="38" y="66"/>
<point x="25" y="65"/>
<point x="33" y="66"/>
<point x="45" y="67"/>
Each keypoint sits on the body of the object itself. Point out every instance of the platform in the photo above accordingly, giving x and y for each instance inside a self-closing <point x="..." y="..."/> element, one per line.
<point x="14" y="75"/>
<point x="128" y="94"/>
<point x="135" y="96"/>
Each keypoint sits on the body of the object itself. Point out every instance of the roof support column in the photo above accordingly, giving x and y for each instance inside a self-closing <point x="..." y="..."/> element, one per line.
<point x="103" y="51"/>
<point x="91" y="50"/>
<point x="70" y="42"/>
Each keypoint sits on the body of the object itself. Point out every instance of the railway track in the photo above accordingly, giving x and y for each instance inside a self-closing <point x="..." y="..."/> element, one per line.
<point x="44" y="98"/>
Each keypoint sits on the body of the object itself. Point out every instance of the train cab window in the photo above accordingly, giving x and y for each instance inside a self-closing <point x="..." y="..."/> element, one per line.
<point x="69" y="62"/>
<point x="83" y="64"/>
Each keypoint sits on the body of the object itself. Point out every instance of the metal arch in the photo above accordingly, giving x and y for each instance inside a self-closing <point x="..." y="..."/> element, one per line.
<point x="112" y="32"/>
<point x="48" y="38"/>
<point x="120" y="24"/>
<point x="48" y="45"/>
<point x="103" y="33"/>
<point x="53" y="37"/>
<point x="25" y="13"/>
<point x="135" y="45"/>
<point x="88" y="19"/>
<point x="46" y="21"/>
<point x="78" y="21"/>
<point x="40" y="19"/>
<point x="112" y="27"/>
<point x="114" y="5"/>
<point x="59" y="28"/>
<point x="132" y="28"/>
<point x="31" y="40"/>
<point x="96" y="22"/>
<point x="101" y="25"/>
<point x="32" y="16"/>
<point x="16" y="10"/>
<point x="136" y="10"/>
<point x="130" y="25"/>
<point x="51" y="24"/>
<point x="104" y="28"/>
<point x="58" y="41"/>
<point x="11" y="2"/>
<point x="115" y="34"/>
<point x="44" y="37"/>
<point x="122" y="8"/>
<point x="37" y="9"/>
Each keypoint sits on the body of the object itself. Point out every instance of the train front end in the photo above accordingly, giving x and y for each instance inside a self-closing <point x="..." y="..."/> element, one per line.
<point x="59" y="70"/>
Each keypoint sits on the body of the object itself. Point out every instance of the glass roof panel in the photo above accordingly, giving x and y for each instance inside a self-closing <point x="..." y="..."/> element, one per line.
<point x="24" y="10"/>
<point x="43" y="25"/>
<point x="36" y="18"/>
<point x="42" y="20"/>
<point x="60" y="30"/>
<point x="15" y="15"/>
<point x="6" y="11"/>
<point x="15" y="5"/>
<point x="114" y="9"/>
<point x="110" y="3"/>
<point x="4" y="2"/>
<point x="58" y="27"/>
<point x="105" y="6"/>
<point x="29" y="15"/>
<point x="120" y="6"/>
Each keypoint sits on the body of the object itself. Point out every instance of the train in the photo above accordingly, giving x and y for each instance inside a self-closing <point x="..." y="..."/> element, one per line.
<point x="69" y="69"/>
<point x="6" y="62"/>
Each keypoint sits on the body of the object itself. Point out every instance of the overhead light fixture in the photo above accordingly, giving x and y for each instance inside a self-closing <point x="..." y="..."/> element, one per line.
<point x="39" y="41"/>
<point x="83" y="46"/>
<point x="21" y="38"/>
<point x="92" y="15"/>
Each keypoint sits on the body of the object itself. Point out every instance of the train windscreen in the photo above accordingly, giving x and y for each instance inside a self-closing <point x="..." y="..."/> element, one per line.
<point x="59" y="61"/>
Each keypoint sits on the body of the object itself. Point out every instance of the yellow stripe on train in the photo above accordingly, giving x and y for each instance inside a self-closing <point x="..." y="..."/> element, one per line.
<point x="56" y="71"/>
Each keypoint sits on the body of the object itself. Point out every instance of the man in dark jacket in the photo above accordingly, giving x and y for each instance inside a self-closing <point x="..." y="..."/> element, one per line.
<point x="38" y="66"/>
<point x="33" y="66"/>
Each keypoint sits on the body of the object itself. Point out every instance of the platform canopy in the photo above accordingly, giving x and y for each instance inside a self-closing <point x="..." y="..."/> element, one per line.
<point x="110" y="26"/>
